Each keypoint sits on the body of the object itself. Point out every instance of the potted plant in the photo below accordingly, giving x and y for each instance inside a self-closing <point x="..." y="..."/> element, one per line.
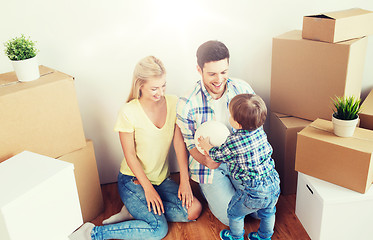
<point x="345" y="115"/>
<point x="22" y="53"/>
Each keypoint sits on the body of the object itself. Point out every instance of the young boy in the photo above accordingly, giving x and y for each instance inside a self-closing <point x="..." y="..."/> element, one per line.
<point x="248" y="156"/>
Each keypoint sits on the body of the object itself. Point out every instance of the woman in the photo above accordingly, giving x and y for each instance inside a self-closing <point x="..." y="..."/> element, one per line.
<point x="146" y="126"/>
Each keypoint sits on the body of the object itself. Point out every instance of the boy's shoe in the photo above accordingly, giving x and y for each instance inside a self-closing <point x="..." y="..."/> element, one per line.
<point x="255" y="236"/>
<point x="226" y="235"/>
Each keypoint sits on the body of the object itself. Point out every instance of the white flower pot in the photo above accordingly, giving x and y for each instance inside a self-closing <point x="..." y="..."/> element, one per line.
<point x="344" y="128"/>
<point x="26" y="70"/>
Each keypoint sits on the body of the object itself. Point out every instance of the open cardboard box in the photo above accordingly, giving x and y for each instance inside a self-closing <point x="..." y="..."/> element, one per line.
<point x="283" y="138"/>
<point x="338" y="26"/>
<point x="306" y="74"/>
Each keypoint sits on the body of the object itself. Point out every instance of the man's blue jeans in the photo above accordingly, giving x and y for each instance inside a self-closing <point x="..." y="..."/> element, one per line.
<point x="147" y="224"/>
<point x="219" y="193"/>
<point x="255" y="196"/>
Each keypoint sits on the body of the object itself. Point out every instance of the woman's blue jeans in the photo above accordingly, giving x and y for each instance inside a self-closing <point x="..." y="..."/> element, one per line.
<point x="255" y="196"/>
<point x="147" y="224"/>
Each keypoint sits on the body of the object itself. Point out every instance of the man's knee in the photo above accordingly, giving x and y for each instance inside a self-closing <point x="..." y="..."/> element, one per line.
<point x="195" y="210"/>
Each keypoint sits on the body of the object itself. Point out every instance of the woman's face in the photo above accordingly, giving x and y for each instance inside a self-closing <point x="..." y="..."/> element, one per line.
<point x="153" y="89"/>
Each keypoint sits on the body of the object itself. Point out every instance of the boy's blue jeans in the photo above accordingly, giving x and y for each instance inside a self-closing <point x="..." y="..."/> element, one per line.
<point x="255" y="196"/>
<point x="147" y="224"/>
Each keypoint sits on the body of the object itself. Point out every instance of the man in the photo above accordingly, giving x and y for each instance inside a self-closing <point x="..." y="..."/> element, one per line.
<point x="209" y="100"/>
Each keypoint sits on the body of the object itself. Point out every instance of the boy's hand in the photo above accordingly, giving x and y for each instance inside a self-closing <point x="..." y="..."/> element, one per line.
<point x="204" y="143"/>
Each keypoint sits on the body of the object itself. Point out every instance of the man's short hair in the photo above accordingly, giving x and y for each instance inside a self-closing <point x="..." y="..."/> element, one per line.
<point x="248" y="110"/>
<point x="211" y="51"/>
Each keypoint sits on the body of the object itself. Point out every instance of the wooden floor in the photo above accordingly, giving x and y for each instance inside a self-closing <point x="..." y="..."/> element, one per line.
<point x="207" y="227"/>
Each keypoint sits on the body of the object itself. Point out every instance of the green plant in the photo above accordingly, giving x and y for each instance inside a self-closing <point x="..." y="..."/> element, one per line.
<point x="346" y="108"/>
<point x="20" y="48"/>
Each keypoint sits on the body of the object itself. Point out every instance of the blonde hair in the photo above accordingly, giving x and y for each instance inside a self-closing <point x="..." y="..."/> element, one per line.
<point x="146" y="68"/>
<point x="248" y="110"/>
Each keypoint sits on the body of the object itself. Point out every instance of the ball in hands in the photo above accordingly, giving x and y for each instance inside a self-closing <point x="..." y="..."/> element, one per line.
<point x="216" y="131"/>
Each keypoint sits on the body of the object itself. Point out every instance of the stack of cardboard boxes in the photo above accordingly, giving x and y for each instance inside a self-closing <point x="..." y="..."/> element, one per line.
<point x="309" y="67"/>
<point x="43" y="117"/>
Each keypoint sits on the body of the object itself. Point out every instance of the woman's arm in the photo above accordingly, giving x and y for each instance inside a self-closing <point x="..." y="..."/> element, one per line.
<point x="152" y="197"/>
<point x="185" y="193"/>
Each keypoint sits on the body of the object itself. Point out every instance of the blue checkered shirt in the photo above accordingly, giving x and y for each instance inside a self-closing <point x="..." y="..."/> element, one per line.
<point x="195" y="108"/>
<point x="247" y="154"/>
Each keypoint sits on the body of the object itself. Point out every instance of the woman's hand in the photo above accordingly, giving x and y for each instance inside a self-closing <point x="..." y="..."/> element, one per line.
<point x="154" y="201"/>
<point x="185" y="194"/>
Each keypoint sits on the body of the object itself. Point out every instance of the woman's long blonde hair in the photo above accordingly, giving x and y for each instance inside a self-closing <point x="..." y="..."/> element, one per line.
<point x="148" y="67"/>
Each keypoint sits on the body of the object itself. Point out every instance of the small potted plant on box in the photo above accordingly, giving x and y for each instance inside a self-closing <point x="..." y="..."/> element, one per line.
<point x="22" y="53"/>
<point x="345" y="115"/>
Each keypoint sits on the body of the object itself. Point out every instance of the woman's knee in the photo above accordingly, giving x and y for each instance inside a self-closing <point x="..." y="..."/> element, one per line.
<point x="195" y="210"/>
<point x="160" y="231"/>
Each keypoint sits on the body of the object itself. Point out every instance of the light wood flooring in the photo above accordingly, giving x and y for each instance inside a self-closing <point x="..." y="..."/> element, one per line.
<point x="207" y="227"/>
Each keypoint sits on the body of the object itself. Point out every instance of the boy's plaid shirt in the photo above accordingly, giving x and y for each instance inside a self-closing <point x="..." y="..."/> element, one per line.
<point x="194" y="109"/>
<point x="247" y="154"/>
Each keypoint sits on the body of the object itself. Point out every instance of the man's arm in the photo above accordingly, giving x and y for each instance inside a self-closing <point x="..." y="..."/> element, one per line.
<point x="203" y="159"/>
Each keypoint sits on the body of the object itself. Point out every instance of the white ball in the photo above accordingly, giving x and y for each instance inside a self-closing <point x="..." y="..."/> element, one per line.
<point x="217" y="132"/>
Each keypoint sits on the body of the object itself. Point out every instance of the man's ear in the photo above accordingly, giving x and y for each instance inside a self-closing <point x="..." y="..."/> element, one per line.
<point x="199" y="69"/>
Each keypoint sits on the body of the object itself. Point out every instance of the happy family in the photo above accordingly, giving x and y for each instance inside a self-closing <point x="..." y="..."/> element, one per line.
<point x="237" y="178"/>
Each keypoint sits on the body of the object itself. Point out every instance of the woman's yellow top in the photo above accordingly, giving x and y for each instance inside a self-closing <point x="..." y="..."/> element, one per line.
<point x="152" y="143"/>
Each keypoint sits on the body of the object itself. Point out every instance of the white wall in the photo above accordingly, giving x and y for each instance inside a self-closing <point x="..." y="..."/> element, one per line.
<point x="99" y="42"/>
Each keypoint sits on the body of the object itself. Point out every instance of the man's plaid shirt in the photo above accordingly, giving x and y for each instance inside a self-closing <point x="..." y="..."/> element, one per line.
<point x="247" y="154"/>
<point x="195" y="108"/>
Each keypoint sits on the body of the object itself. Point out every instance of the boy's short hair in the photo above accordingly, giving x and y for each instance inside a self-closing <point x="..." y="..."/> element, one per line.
<point x="249" y="110"/>
<point x="211" y="51"/>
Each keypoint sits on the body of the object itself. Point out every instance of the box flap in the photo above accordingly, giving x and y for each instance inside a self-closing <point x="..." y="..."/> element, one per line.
<point x="10" y="84"/>
<point x="11" y="77"/>
<point x="367" y="106"/>
<point x="292" y="122"/>
<point x="347" y="13"/>
<point x="321" y="129"/>
<point x="296" y="35"/>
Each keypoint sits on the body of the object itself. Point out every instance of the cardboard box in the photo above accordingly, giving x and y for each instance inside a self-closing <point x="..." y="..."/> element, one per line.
<point x="328" y="211"/>
<point x="87" y="181"/>
<point x="338" y="26"/>
<point x="306" y="74"/>
<point x="41" y="116"/>
<point x="366" y="115"/>
<point x="347" y="162"/>
<point x="283" y="138"/>
<point x="39" y="198"/>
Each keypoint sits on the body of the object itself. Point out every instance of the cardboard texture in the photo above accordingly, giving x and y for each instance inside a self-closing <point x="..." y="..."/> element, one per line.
<point x="346" y="162"/>
<point x="283" y="138"/>
<point x="39" y="198"/>
<point x="41" y="116"/>
<point x="366" y="115"/>
<point x="328" y="211"/>
<point x="306" y="74"/>
<point x="87" y="181"/>
<point x="338" y="26"/>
